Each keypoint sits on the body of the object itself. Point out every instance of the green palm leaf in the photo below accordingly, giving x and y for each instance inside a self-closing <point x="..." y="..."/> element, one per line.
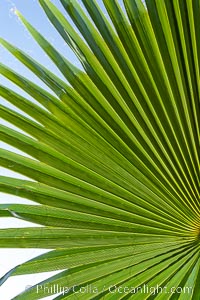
<point x="114" y="153"/>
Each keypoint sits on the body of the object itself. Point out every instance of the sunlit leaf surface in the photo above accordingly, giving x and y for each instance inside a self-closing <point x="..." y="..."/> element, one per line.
<point x="115" y="153"/>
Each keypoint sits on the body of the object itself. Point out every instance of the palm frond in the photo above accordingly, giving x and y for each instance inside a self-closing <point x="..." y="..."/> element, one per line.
<point x="114" y="152"/>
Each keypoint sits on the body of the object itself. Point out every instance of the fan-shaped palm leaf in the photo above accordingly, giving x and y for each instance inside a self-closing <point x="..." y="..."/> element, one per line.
<point x="115" y="154"/>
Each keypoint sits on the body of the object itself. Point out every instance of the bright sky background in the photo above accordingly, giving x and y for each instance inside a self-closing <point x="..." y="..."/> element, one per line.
<point x="12" y="30"/>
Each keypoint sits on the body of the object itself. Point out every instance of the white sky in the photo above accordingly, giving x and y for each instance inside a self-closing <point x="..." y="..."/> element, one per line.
<point x="12" y="30"/>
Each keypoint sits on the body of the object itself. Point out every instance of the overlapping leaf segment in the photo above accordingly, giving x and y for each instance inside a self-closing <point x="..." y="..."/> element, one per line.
<point x="115" y="153"/>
